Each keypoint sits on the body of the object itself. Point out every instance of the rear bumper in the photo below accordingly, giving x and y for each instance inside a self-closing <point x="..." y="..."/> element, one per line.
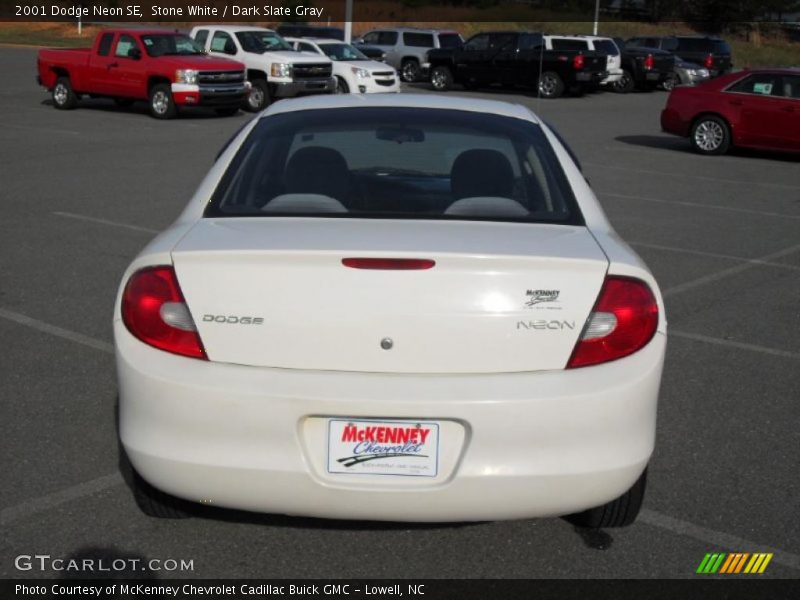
<point x="590" y="77"/>
<point x="672" y="122"/>
<point x="300" y="88"/>
<point x="612" y="77"/>
<point x="215" y="96"/>
<point x="528" y="444"/>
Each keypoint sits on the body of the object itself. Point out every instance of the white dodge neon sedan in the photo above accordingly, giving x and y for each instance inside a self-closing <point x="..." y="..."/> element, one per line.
<point x="392" y="307"/>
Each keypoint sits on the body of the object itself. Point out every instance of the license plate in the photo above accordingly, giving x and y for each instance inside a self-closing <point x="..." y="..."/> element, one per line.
<point x="409" y="448"/>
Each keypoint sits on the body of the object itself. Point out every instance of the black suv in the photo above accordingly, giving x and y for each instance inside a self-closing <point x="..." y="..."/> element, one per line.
<point x="712" y="52"/>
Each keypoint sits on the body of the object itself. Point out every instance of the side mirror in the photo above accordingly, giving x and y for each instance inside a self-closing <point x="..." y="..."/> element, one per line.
<point x="135" y="53"/>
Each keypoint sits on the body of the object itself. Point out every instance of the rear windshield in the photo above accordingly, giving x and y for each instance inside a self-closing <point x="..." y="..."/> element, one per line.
<point x="399" y="163"/>
<point x="606" y="47"/>
<point x="703" y="45"/>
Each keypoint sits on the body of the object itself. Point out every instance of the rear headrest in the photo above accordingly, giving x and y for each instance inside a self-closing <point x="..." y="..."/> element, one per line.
<point x="481" y="172"/>
<point x="318" y="170"/>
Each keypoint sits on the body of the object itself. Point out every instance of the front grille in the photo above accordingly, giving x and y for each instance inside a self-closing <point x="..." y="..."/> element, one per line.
<point x="220" y="77"/>
<point x="313" y="71"/>
<point x="385" y="82"/>
<point x="384" y="74"/>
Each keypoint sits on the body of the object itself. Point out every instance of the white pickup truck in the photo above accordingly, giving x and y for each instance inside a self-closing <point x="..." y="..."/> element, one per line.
<point x="274" y="68"/>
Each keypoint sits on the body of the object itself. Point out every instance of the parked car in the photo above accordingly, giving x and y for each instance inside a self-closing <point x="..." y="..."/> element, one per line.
<point x="712" y="52"/>
<point x="167" y="69"/>
<point x="591" y="43"/>
<point x="685" y="73"/>
<point x="391" y="307"/>
<point x="515" y="58"/>
<point x="274" y="68"/>
<point x="406" y="48"/>
<point x="752" y="109"/>
<point x="643" y="68"/>
<point x="354" y="72"/>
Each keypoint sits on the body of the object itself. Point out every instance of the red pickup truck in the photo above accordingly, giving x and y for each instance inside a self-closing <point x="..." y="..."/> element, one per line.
<point x="166" y="68"/>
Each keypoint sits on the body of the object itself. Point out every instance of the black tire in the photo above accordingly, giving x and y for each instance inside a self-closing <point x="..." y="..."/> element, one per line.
<point x="259" y="97"/>
<point x="617" y="513"/>
<point x="161" y="102"/>
<point x="626" y="83"/>
<point x="550" y="85"/>
<point x="442" y="79"/>
<point x="64" y="97"/>
<point x="670" y="82"/>
<point x="227" y="111"/>
<point x="123" y="102"/>
<point x="157" y="504"/>
<point x="410" y="71"/>
<point x="341" y="86"/>
<point x="710" y="135"/>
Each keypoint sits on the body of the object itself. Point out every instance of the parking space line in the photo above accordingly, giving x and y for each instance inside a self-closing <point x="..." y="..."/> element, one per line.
<point x="754" y="261"/>
<point x="784" y="186"/>
<point x="105" y="222"/>
<point x="66" y="334"/>
<point x="733" y="344"/>
<point x="44" y="503"/>
<point x="716" y="276"/>
<point x="699" y="205"/>
<point x="715" y="538"/>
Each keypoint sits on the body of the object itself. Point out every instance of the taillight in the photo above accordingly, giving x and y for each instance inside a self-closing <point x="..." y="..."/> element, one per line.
<point x="578" y="62"/>
<point x="389" y="264"/>
<point x="649" y="62"/>
<point x="624" y="319"/>
<point x="154" y="311"/>
<point x="709" y="61"/>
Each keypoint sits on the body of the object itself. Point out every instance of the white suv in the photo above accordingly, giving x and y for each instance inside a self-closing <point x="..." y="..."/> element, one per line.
<point x="354" y="72"/>
<point x="274" y="68"/>
<point x="591" y="43"/>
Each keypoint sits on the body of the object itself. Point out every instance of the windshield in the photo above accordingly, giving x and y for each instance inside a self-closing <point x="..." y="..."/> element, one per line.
<point x="400" y="163"/>
<point x="166" y="44"/>
<point x="262" y="41"/>
<point x="342" y="52"/>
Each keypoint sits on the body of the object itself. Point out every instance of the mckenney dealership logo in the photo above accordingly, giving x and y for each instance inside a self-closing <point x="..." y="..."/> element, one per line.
<point x="375" y="442"/>
<point x="539" y="296"/>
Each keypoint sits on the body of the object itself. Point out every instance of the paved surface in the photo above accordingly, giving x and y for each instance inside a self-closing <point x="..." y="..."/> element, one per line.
<point x="81" y="192"/>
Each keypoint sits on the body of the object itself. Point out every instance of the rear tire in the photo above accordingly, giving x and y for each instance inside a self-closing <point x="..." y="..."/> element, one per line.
<point x="259" y="98"/>
<point x="441" y="79"/>
<point x="625" y="84"/>
<point x="157" y="504"/>
<point x="341" y="86"/>
<point x="550" y="85"/>
<point x="64" y="97"/>
<point x="670" y="82"/>
<point x="410" y="71"/>
<point x="710" y="135"/>
<point x="162" y="104"/>
<point x="617" y="513"/>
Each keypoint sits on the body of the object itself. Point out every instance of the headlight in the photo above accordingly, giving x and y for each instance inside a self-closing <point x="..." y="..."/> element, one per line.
<point x="281" y="70"/>
<point x="187" y="76"/>
<point x="703" y="72"/>
<point x="360" y="73"/>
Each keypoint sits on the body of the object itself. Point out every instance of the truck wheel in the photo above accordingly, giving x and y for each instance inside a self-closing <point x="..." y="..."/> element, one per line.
<point x="258" y="99"/>
<point x="162" y="105"/>
<point x="710" y="135"/>
<point x="64" y="97"/>
<point x="617" y="513"/>
<point x="157" y="504"/>
<point x="341" y="86"/>
<point x="550" y="85"/>
<point x="670" y="82"/>
<point x="625" y="84"/>
<point x="441" y="79"/>
<point x="410" y="70"/>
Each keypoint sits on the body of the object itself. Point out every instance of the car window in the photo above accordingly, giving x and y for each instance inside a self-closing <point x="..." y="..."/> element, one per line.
<point x="371" y="38"/>
<point x="762" y="84"/>
<point x="791" y="86"/>
<point x="201" y="36"/>
<point x="478" y="42"/>
<point x="562" y="44"/>
<point x="387" y="38"/>
<point x="222" y="42"/>
<point x="449" y="40"/>
<point x="606" y="47"/>
<point x="124" y="46"/>
<point x="694" y="45"/>
<point x="721" y="47"/>
<point x="418" y="40"/>
<point x="669" y="44"/>
<point x="164" y="44"/>
<point x="105" y="44"/>
<point x="390" y="162"/>
<point x="342" y="52"/>
<point x="258" y="41"/>
<point x="306" y="47"/>
<point x="501" y="41"/>
<point x="530" y="41"/>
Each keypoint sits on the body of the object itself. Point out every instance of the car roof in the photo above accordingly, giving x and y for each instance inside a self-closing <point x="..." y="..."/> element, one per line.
<point x="334" y="101"/>
<point x="234" y="28"/>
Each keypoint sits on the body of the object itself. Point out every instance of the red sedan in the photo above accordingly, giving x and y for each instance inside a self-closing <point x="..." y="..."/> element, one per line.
<point x="752" y="109"/>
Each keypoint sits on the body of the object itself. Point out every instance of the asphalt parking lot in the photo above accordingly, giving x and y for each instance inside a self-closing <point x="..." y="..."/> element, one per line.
<point x="81" y="192"/>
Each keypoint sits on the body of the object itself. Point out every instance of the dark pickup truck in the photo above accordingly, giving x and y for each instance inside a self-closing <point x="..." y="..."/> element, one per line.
<point x="643" y="68"/>
<point x="515" y="58"/>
